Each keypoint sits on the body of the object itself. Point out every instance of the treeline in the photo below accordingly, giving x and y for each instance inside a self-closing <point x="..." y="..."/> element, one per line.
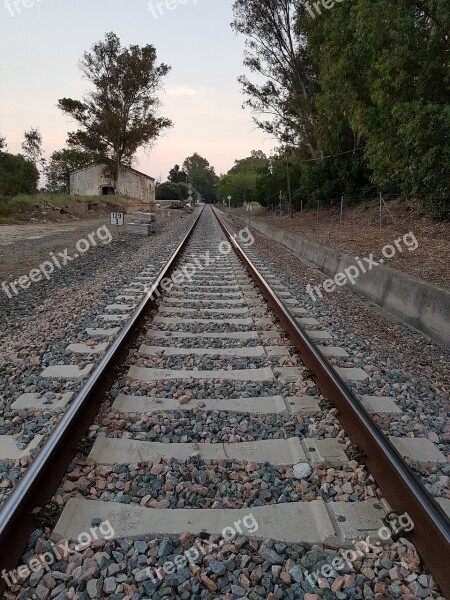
<point x="21" y="173"/>
<point x="18" y="174"/>
<point x="355" y="94"/>
<point x="196" y="177"/>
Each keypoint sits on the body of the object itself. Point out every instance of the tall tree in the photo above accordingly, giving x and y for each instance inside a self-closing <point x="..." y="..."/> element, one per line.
<point x="390" y="87"/>
<point x="254" y="163"/>
<point x="3" y="145"/>
<point x="60" y="164"/>
<point x="240" y="186"/>
<point x="120" y="113"/>
<point x="32" y="147"/>
<point x="276" y="52"/>
<point x="202" y="176"/>
<point x="177" y="175"/>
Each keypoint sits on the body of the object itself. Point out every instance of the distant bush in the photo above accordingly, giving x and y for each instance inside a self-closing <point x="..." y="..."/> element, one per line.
<point x="17" y="175"/>
<point x="168" y="191"/>
<point x="184" y="189"/>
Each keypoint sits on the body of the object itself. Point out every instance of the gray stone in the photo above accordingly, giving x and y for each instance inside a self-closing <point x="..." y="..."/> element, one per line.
<point x="302" y="470"/>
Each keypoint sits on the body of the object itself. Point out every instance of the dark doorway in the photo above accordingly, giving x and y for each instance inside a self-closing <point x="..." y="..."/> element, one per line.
<point x="108" y="190"/>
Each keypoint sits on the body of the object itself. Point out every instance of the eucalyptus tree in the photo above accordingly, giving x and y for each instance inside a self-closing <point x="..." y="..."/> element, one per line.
<point x="120" y="112"/>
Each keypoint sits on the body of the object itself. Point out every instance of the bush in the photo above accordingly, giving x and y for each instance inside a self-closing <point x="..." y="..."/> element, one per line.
<point x="17" y="175"/>
<point x="168" y="191"/>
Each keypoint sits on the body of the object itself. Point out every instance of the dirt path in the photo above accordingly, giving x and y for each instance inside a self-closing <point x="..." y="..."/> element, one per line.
<point x="25" y="247"/>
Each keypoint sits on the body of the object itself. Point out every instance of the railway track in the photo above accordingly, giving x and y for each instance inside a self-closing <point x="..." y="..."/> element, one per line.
<point x="210" y="414"/>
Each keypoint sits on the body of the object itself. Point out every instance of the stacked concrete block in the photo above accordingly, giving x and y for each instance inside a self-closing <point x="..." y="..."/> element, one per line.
<point x="143" y="223"/>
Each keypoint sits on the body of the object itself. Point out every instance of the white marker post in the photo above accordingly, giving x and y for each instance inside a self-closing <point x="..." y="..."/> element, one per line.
<point x="229" y="201"/>
<point x="117" y="219"/>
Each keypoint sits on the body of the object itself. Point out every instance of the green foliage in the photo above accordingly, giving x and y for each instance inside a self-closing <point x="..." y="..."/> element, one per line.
<point x="359" y="95"/>
<point x="394" y="83"/>
<point x="241" y="180"/>
<point x="255" y="163"/>
<point x="177" y="175"/>
<point x="202" y="176"/>
<point x="119" y="114"/>
<point x="278" y="55"/>
<point x="60" y="164"/>
<point x="184" y="189"/>
<point x="240" y="186"/>
<point x="168" y="191"/>
<point x="17" y="175"/>
<point x="32" y="147"/>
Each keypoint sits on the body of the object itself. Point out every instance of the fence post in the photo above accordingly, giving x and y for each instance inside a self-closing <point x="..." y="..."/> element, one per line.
<point x="381" y="210"/>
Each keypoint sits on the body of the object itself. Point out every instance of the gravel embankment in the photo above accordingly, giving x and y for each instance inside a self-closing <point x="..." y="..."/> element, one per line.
<point x="214" y="567"/>
<point x="402" y="363"/>
<point x="39" y="324"/>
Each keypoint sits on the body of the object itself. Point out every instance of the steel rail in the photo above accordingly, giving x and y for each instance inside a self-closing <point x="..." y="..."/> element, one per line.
<point x="42" y="478"/>
<point x="405" y="493"/>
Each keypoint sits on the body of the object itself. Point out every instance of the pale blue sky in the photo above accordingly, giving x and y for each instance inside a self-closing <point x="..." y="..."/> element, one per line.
<point x="42" y="44"/>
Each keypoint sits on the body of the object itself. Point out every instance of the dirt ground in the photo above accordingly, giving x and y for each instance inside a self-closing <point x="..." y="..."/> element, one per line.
<point x="24" y="247"/>
<point x="360" y="234"/>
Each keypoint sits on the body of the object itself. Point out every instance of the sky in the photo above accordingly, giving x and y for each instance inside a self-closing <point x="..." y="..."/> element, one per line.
<point x="42" y="42"/>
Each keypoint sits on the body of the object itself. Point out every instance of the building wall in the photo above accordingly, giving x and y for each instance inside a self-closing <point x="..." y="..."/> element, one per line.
<point x="90" y="181"/>
<point x="136" y="186"/>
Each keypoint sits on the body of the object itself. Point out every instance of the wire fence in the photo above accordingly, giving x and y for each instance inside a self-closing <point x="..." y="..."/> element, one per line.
<point x="438" y="208"/>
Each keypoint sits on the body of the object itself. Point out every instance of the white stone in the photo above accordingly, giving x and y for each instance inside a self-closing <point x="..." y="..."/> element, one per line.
<point x="302" y="470"/>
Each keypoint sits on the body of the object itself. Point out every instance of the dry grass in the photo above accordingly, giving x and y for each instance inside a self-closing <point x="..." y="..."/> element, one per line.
<point x="360" y="234"/>
<point x="59" y="208"/>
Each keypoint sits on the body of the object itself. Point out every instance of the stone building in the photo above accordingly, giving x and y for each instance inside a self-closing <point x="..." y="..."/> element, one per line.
<point x="95" y="180"/>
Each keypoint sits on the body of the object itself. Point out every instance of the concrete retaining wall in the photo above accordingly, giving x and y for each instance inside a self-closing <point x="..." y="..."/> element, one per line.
<point x="420" y="304"/>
